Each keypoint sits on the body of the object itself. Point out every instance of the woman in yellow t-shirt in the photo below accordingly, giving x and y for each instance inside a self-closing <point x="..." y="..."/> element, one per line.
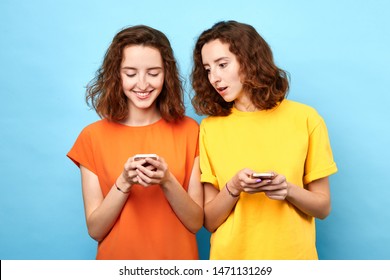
<point x="152" y="207"/>
<point x="252" y="128"/>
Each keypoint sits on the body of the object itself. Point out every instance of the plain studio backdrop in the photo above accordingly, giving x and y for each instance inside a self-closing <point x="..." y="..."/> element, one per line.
<point x="337" y="54"/>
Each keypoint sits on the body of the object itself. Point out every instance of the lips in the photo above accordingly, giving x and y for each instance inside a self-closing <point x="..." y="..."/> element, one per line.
<point x="221" y="90"/>
<point x="143" y="94"/>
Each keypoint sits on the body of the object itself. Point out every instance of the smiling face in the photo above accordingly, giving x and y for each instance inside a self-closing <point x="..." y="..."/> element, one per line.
<point x="223" y="70"/>
<point x="142" y="74"/>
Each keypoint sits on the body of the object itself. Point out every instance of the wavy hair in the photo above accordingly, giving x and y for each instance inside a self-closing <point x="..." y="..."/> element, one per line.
<point x="266" y="84"/>
<point x="105" y="93"/>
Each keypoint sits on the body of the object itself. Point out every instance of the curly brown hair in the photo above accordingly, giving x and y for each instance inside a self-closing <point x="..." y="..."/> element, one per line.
<point x="266" y="84"/>
<point x="105" y="93"/>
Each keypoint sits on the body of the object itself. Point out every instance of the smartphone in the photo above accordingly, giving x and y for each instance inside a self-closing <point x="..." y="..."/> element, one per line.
<point x="263" y="175"/>
<point x="142" y="156"/>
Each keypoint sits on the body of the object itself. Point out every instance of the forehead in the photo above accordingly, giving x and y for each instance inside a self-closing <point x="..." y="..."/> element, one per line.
<point x="141" y="56"/>
<point x="214" y="50"/>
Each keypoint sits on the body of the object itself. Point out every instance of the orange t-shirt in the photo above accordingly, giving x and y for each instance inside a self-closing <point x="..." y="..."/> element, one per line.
<point x="147" y="227"/>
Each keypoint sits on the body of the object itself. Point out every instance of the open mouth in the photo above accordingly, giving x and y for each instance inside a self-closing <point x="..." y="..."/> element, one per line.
<point x="221" y="90"/>
<point x="143" y="94"/>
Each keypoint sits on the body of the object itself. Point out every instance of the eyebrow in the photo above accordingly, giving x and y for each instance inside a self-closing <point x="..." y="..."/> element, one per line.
<point x="150" y="68"/>
<point x="217" y="60"/>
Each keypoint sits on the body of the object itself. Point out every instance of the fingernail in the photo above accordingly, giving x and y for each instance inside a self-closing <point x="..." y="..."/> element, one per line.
<point x="258" y="180"/>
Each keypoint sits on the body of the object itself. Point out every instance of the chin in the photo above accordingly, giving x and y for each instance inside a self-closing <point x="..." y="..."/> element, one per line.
<point x="227" y="99"/>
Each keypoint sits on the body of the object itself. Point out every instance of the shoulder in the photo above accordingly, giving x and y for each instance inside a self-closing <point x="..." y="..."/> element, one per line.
<point x="190" y="121"/>
<point x="185" y="126"/>
<point x="102" y="126"/>
<point x="212" y="120"/>
<point x="298" y="108"/>
<point x="97" y="124"/>
<point x="187" y="123"/>
<point x="186" y="129"/>
<point x="302" y="113"/>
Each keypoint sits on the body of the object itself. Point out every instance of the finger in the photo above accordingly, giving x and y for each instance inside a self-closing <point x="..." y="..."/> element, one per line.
<point x="149" y="171"/>
<point x="252" y="191"/>
<point x="131" y="177"/>
<point x="253" y="181"/>
<point x="127" y="166"/>
<point x="279" y="179"/>
<point x="279" y="194"/>
<point x="247" y="172"/>
<point x="142" y="183"/>
<point x="275" y="197"/>
<point x="154" y="163"/>
<point x="132" y="165"/>
<point x="141" y="174"/>
<point x="258" y="187"/>
<point x="146" y="178"/>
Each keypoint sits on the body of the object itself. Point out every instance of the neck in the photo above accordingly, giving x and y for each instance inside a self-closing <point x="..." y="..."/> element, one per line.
<point x="245" y="106"/>
<point x="142" y="117"/>
<point x="244" y="103"/>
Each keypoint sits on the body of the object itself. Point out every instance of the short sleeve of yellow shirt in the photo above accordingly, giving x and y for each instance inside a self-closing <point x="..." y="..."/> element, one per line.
<point x="292" y="140"/>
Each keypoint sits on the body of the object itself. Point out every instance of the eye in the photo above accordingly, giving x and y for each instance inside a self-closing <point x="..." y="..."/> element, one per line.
<point x="154" y="74"/>
<point x="222" y="65"/>
<point x="130" y="74"/>
<point x="207" y="70"/>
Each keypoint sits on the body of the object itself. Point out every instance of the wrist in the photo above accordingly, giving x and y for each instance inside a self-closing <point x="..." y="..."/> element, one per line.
<point x="232" y="191"/>
<point x="122" y="186"/>
<point x="289" y="190"/>
<point x="167" y="179"/>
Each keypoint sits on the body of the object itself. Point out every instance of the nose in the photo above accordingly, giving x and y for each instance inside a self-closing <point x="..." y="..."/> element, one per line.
<point x="143" y="82"/>
<point x="214" y="77"/>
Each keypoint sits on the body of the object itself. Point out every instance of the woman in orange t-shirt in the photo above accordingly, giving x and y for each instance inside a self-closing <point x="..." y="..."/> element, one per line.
<point x="152" y="207"/>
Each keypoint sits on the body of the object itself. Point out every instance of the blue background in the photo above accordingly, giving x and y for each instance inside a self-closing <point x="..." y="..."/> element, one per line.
<point x="337" y="53"/>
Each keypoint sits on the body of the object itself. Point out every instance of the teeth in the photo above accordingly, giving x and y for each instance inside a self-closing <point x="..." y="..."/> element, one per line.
<point x="142" y="94"/>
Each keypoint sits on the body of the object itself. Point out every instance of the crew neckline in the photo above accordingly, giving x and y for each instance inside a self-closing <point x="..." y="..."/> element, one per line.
<point x="239" y="113"/>
<point x="140" y="126"/>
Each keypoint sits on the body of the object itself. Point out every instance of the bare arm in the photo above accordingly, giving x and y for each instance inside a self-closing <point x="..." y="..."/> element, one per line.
<point x="314" y="201"/>
<point x="218" y="206"/>
<point x="101" y="213"/>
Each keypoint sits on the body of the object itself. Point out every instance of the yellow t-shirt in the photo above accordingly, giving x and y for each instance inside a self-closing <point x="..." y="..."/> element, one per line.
<point x="290" y="139"/>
